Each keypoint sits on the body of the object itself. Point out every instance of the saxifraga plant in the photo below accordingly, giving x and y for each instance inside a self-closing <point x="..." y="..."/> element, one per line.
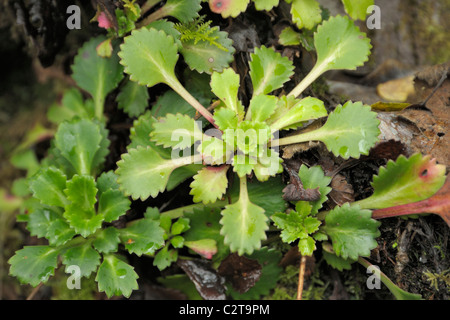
<point x="74" y="203"/>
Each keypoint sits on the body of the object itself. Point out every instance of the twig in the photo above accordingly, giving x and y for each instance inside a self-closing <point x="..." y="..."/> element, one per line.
<point x="35" y="290"/>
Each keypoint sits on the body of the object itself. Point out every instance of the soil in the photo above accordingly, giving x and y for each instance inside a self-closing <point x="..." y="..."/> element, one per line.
<point x="413" y="253"/>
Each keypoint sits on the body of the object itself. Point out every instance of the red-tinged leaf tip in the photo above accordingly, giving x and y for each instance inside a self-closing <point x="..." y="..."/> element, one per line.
<point x="205" y="247"/>
<point x="430" y="170"/>
<point x="217" y="6"/>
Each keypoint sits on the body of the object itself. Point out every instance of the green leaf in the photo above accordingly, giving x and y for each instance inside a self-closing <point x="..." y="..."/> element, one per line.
<point x="225" y="119"/>
<point x="40" y="220"/>
<point x="59" y="232"/>
<point x="81" y="191"/>
<point x="352" y="231"/>
<point x="204" y="247"/>
<point x="34" y="264"/>
<point x="165" y="258"/>
<point x="143" y="173"/>
<point x="289" y="116"/>
<point x="177" y="242"/>
<point x="266" y="5"/>
<point x="350" y="131"/>
<point x="225" y="86"/>
<point x="107" y="181"/>
<point x="113" y="204"/>
<point x="261" y="108"/>
<point x="107" y="240"/>
<point x="406" y="180"/>
<point x="95" y="74"/>
<point x="243" y="223"/>
<point x="133" y="99"/>
<point x="116" y="277"/>
<point x="357" y="9"/>
<point x="312" y="178"/>
<point x="48" y="186"/>
<point x="289" y="37"/>
<point x="269" y="70"/>
<point x="184" y="11"/>
<point x="180" y="226"/>
<point x="176" y="131"/>
<point x="83" y="256"/>
<point x="336" y="262"/>
<point x="228" y="8"/>
<point x="339" y="45"/>
<point x="209" y="184"/>
<point x="207" y="57"/>
<point x="144" y="236"/>
<point x="72" y="105"/>
<point x="149" y="57"/>
<point x="215" y="151"/>
<point x="306" y="13"/>
<point x="78" y="141"/>
<point x="243" y="165"/>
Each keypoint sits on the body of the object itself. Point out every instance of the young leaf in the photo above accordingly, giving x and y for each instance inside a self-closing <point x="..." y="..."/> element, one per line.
<point x="59" y="232"/>
<point x="107" y="240"/>
<point x="144" y="236"/>
<point x="48" y="186"/>
<point x="308" y="108"/>
<point x="289" y="37"/>
<point x="357" y="9"/>
<point x="266" y="5"/>
<point x="133" y="99"/>
<point x="225" y="86"/>
<point x="243" y="223"/>
<point x="261" y="108"/>
<point x="228" y="8"/>
<point x="116" y="277"/>
<point x="165" y="257"/>
<point x="269" y="70"/>
<point x="352" y="231"/>
<point x="339" y="45"/>
<point x="184" y="11"/>
<point x="143" y="173"/>
<point x="40" y="219"/>
<point x="405" y="180"/>
<point x="312" y="178"/>
<point x="176" y="131"/>
<point x="333" y="260"/>
<point x="34" y="264"/>
<point x="209" y="184"/>
<point x="226" y="119"/>
<point x="149" y="57"/>
<point x="95" y="74"/>
<point x="113" y="204"/>
<point x="83" y="256"/>
<point x="350" y="130"/>
<point x="72" y="105"/>
<point x="107" y="181"/>
<point x="306" y="13"/>
<point x="78" y="141"/>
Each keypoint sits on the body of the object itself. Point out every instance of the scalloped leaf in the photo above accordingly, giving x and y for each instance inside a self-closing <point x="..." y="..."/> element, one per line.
<point x="72" y="105"/>
<point x="176" y="131"/>
<point x="225" y="119"/>
<point x="352" y="231"/>
<point x="312" y="178"/>
<point x="184" y="11"/>
<point x="107" y="240"/>
<point x="133" y="99"/>
<point x="350" y="131"/>
<point x="225" y="85"/>
<point x="228" y="8"/>
<point x="34" y="264"/>
<point x="404" y="181"/>
<point x="357" y="9"/>
<point x="95" y="74"/>
<point x="48" y="186"/>
<point x="149" y="57"/>
<point x="83" y="256"/>
<point x="143" y="236"/>
<point x="266" y="5"/>
<point x="209" y="184"/>
<point x="116" y="277"/>
<point x="143" y="173"/>
<point x="40" y="219"/>
<point x="243" y="223"/>
<point x="261" y="108"/>
<point x="289" y="37"/>
<point x="59" y="232"/>
<point x="205" y="57"/>
<point x="269" y="70"/>
<point x="305" y="13"/>
<point x="112" y="204"/>
<point x="339" y="45"/>
<point x="78" y="142"/>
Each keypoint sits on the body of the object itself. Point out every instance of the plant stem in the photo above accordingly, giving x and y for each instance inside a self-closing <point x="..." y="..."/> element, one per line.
<point x="148" y="5"/>
<point x="310" y="78"/>
<point x="178" y="88"/>
<point x="158" y="14"/>
<point x="303" y="137"/>
<point x="99" y="103"/>
<point x="423" y="206"/>
<point x="301" y="278"/>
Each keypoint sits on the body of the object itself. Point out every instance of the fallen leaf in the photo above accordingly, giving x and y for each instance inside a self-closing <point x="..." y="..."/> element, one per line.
<point x="342" y="191"/>
<point x="240" y="271"/>
<point x="397" y="90"/>
<point x="295" y="190"/>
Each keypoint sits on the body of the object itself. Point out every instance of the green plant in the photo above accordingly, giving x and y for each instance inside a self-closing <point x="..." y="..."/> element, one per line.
<point x="74" y="202"/>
